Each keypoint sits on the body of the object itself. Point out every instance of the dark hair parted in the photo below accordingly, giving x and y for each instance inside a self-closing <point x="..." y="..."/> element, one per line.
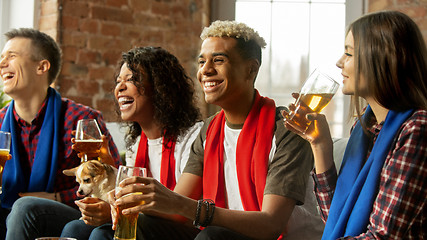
<point x="172" y="92"/>
<point x="390" y="53"/>
<point x="44" y="48"/>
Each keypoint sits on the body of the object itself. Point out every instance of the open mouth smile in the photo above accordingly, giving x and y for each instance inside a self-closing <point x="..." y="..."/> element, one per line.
<point x="7" y="76"/>
<point x="125" y="102"/>
<point x="210" y="85"/>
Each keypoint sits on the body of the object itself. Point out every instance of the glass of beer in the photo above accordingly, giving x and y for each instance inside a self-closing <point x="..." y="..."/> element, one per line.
<point x="126" y="224"/>
<point x="315" y="94"/>
<point x="4" y="148"/>
<point x="5" y="138"/>
<point x="88" y="137"/>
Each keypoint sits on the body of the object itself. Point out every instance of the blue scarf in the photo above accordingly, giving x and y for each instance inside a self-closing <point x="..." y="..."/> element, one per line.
<point x="357" y="185"/>
<point x="45" y="164"/>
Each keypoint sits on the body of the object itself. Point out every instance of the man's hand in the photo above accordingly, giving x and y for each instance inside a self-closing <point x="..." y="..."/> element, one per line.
<point x="3" y="159"/>
<point x="112" y="200"/>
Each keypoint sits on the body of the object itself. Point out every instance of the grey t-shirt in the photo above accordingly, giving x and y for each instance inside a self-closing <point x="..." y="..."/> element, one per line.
<point x="288" y="168"/>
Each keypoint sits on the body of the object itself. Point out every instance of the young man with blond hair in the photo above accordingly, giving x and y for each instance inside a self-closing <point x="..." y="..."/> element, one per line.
<point x="246" y="171"/>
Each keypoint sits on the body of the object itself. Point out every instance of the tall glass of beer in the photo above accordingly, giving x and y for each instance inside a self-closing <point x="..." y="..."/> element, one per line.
<point x="315" y="94"/>
<point x="126" y="224"/>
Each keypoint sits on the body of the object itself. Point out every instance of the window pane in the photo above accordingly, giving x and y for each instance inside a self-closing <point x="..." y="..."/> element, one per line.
<point x="301" y="35"/>
<point x="327" y="30"/>
<point x="262" y="23"/>
<point x="290" y="49"/>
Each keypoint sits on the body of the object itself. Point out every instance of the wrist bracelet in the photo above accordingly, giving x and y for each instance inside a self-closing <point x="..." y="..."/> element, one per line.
<point x="209" y="220"/>
<point x="199" y="208"/>
<point x="210" y="209"/>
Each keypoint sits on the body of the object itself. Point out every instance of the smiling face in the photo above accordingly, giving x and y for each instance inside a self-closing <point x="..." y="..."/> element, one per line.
<point x="134" y="104"/>
<point x="18" y="69"/>
<point x="347" y="65"/>
<point x="223" y="74"/>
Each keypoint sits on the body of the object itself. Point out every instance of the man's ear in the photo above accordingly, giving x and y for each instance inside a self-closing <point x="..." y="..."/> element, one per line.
<point x="254" y="68"/>
<point x="43" y="67"/>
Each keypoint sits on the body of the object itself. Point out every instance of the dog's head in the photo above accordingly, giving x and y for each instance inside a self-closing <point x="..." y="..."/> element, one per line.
<point x="95" y="178"/>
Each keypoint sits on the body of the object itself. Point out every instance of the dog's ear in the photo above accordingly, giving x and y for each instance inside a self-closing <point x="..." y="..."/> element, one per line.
<point x="70" y="172"/>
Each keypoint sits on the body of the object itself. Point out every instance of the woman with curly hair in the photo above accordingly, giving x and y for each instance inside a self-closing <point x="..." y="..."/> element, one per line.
<point x="156" y="101"/>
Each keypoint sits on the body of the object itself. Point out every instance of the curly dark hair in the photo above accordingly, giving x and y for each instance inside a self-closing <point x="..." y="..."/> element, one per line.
<point x="172" y="92"/>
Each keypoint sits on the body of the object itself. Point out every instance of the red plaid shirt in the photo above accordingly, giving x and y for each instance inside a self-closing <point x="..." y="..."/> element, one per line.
<point x="29" y="136"/>
<point x="400" y="209"/>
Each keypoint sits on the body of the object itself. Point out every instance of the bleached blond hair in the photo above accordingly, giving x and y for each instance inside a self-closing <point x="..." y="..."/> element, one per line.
<point x="232" y="29"/>
<point x="249" y="42"/>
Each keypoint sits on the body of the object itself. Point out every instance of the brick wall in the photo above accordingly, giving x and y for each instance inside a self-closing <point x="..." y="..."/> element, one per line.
<point x="416" y="9"/>
<point x="94" y="33"/>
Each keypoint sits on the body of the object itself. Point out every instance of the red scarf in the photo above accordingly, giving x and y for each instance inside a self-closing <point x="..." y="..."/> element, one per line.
<point x="167" y="168"/>
<point x="252" y="154"/>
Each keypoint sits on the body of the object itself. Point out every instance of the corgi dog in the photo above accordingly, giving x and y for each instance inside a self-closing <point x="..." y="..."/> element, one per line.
<point x="96" y="179"/>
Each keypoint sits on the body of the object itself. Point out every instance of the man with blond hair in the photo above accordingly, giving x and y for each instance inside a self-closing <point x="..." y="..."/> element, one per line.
<point x="245" y="173"/>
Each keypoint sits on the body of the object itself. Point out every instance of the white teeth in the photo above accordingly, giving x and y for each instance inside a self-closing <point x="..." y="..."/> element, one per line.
<point x="124" y="99"/>
<point x="7" y="75"/>
<point x="211" y="84"/>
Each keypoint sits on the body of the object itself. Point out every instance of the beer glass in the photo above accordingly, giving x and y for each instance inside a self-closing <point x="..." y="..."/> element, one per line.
<point x="126" y="224"/>
<point x="88" y="135"/>
<point x="4" y="148"/>
<point x="4" y="151"/>
<point x="315" y="94"/>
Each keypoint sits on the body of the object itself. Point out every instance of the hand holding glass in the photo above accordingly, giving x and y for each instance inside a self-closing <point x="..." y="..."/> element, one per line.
<point x="88" y="135"/>
<point x="5" y="139"/>
<point x="4" y="148"/>
<point x="126" y="224"/>
<point x="314" y="95"/>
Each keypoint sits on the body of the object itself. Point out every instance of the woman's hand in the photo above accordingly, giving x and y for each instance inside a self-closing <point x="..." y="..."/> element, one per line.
<point x="318" y="129"/>
<point x="103" y="153"/>
<point x="317" y="134"/>
<point x="94" y="211"/>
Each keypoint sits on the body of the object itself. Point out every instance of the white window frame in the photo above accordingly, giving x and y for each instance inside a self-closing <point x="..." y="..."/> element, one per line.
<point x="225" y="10"/>
<point x="13" y="14"/>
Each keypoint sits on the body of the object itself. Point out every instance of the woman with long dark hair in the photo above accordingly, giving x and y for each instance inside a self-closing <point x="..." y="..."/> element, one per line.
<point x="380" y="191"/>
